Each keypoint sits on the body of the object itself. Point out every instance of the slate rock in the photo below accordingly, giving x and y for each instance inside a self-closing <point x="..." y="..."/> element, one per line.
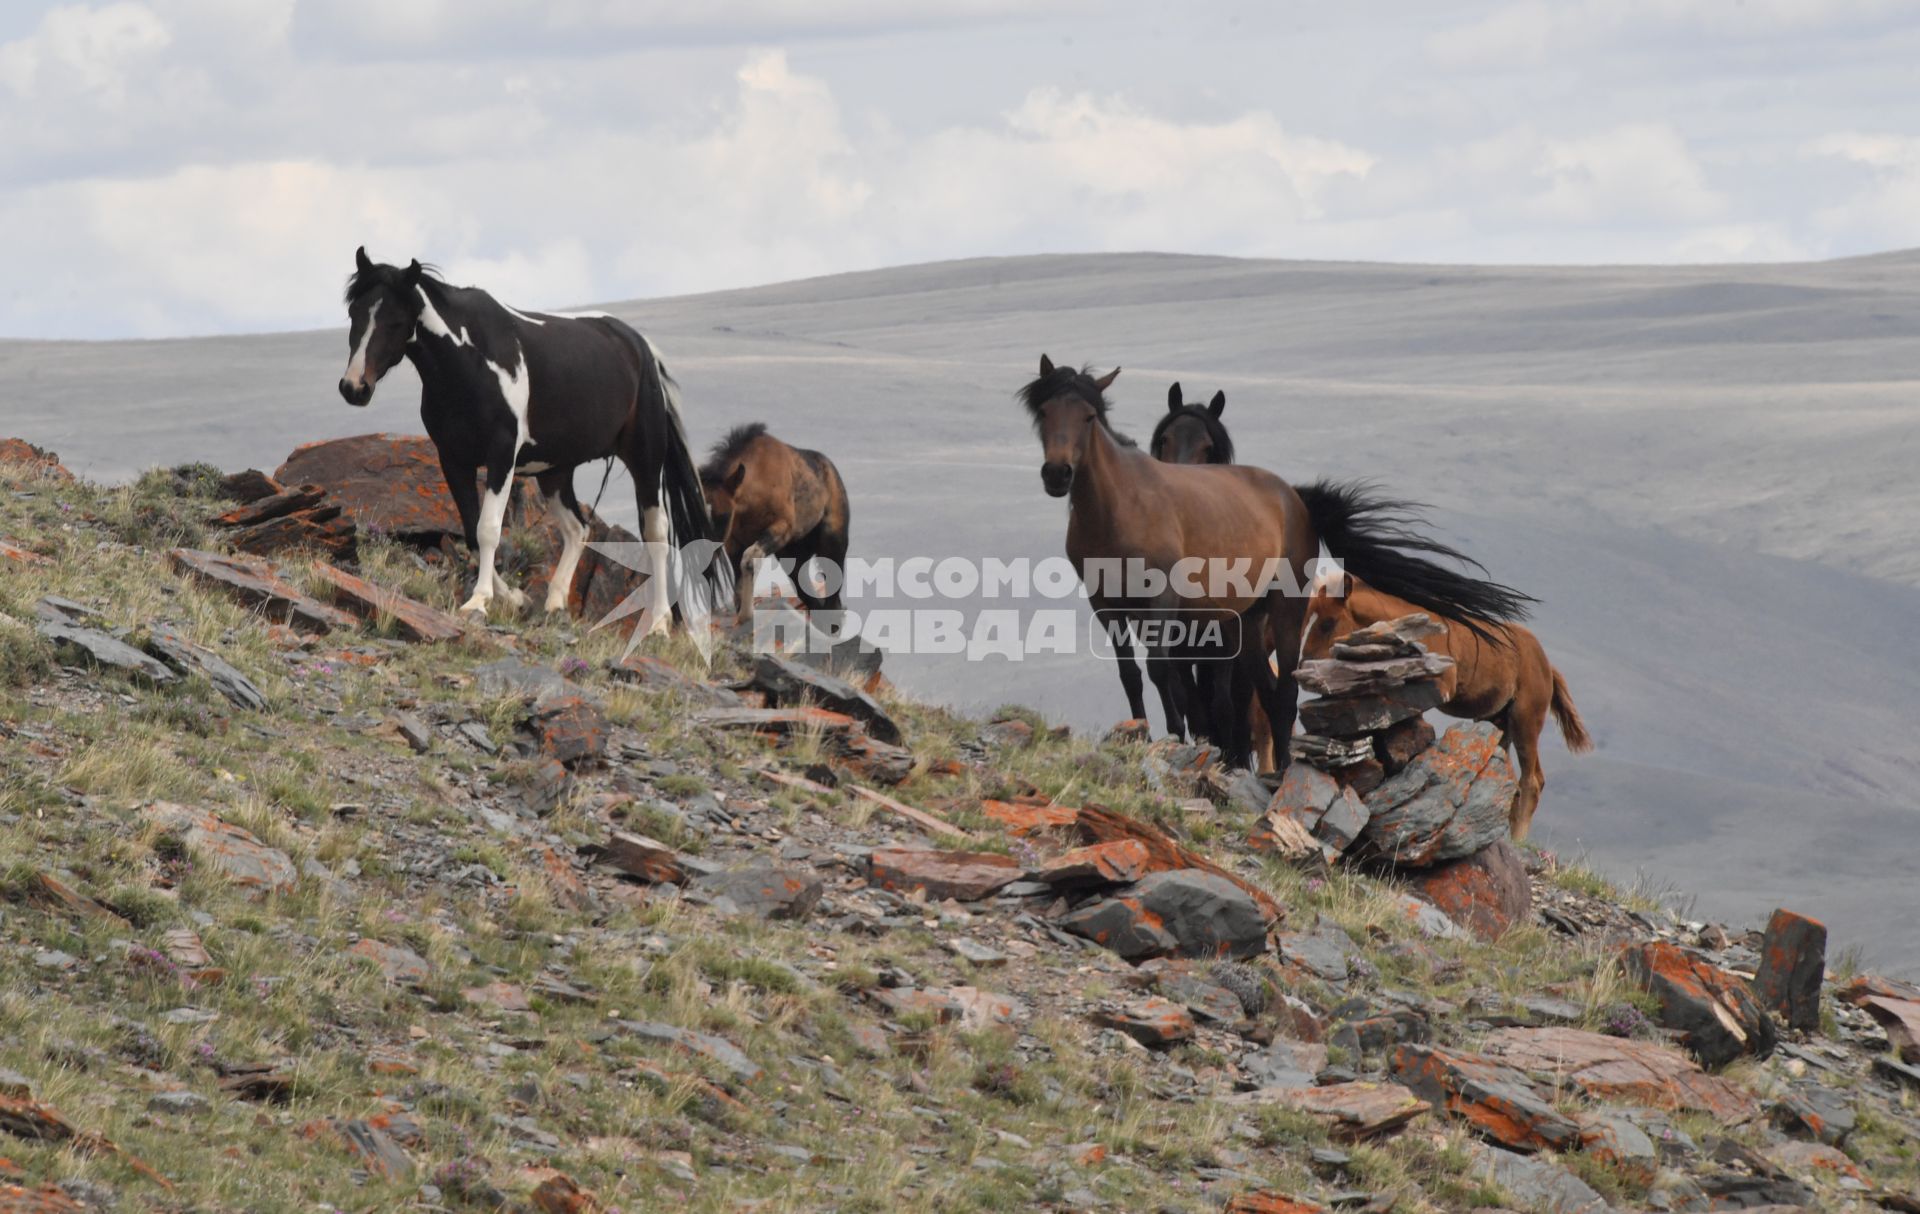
<point x="1793" y="964"/>
<point x="1285" y="1063"/>
<point x="1182" y="911"/>
<point x="413" y="619"/>
<point x="766" y="891"/>
<point x="789" y="681"/>
<point x="1344" y="677"/>
<point x="1812" y="1110"/>
<point x="1449" y="803"/>
<point x="1349" y="716"/>
<point x="1325" y="951"/>
<point x="961" y="875"/>
<point x="1715" y="1013"/>
<point x="230" y="850"/>
<point x="170" y="646"/>
<point x="98" y="649"/>
<point x="1488" y="893"/>
<point x="706" y="1045"/>
<point x="1537" y="1184"/>
<point x="1399" y="744"/>
<point x="570" y="729"/>
<point x="258" y="585"/>
<point x="1152" y="1021"/>
<point x="1622" y="1068"/>
<point x="1495" y="1099"/>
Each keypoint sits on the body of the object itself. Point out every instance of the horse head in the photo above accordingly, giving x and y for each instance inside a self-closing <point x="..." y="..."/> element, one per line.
<point x="383" y="308"/>
<point x="1192" y="434"/>
<point x="1329" y="611"/>
<point x="1065" y="405"/>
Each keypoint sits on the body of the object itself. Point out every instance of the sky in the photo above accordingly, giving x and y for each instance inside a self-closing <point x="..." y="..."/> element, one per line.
<point x="184" y="167"/>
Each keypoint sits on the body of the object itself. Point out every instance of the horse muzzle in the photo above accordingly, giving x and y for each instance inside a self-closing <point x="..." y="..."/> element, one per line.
<point x="1058" y="479"/>
<point x="354" y="394"/>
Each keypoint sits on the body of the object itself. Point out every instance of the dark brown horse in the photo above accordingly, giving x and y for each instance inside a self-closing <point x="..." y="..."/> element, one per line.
<point x="1173" y="520"/>
<point x="1194" y="434"/>
<point x="770" y="499"/>
<point x="1504" y="677"/>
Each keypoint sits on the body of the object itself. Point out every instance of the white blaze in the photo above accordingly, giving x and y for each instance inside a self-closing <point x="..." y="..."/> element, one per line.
<point x="357" y="365"/>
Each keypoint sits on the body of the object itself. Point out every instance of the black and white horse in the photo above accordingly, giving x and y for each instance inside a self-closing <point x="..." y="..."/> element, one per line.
<point x="527" y="394"/>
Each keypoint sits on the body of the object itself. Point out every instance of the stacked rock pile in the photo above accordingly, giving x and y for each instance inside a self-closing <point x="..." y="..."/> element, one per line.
<point x="1373" y="784"/>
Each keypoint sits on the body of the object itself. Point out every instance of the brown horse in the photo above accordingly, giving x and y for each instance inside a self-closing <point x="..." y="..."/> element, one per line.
<point x="1499" y="674"/>
<point x="1128" y="508"/>
<point x="770" y="499"/>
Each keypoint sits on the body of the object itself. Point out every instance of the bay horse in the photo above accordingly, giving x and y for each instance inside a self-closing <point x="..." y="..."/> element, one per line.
<point x="1126" y="506"/>
<point x="1500" y="674"/>
<point x="522" y="394"/>
<point x="770" y="499"/>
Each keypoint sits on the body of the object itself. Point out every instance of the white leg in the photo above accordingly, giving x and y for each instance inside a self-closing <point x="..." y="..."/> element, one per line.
<point x="747" y="591"/>
<point x="653" y="529"/>
<point x="573" y="535"/>
<point x="493" y="514"/>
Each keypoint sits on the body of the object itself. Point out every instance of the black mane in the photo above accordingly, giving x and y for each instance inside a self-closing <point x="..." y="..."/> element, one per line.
<point x="1216" y="430"/>
<point x="1065" y="381"/>
<point x="359" y="282"/>
<point x="729" y="448"/>
<point x="1375" y="538"/>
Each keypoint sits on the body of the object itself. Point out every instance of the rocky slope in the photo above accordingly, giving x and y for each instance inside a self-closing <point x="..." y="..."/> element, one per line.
<point x="317" y="898"/>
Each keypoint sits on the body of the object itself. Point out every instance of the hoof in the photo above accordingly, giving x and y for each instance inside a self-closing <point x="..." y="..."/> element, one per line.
<point x="556" y="607"/>
<point x="475" y="606"/>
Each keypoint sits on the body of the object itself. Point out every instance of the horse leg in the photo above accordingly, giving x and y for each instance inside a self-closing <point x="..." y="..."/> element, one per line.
<point x="493" y="514"/>
<point x="1524" y="721"/>
<point x="557" y="489"/>
<point x="768" y="544"/>
<point x="830" y="552"/>
<point x="1279" y="692"/>
<point x="1168" y="680"/>
<point x="1125" y="656"/>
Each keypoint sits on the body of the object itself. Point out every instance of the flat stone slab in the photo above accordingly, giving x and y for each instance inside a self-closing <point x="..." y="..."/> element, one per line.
<point x="1346" y="716"/>
<point x="232" y="850"/>
<point x="1622" y="1068"/>
<point x="1333" y="677"/>
<point x="259" y="585"/>
<point x="788" y="681"/>
<point x="1494" y="1098"/>
<point x="964" y="876"/>
<point x="1353" y="1111"/>
<point x="96" y="648"/>
<point x="706" y="1045"/>
<point x="170" y="646"/>
<point x="413" y="619"/>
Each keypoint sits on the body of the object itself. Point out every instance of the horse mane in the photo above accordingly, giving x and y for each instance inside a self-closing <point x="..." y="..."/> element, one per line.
<point x="729" y="449"/>
<point x="1065" y="381"/>
<point x="359" y="282"/>
<point x="1376" y="539"/>
<point x="1216" y="430"/>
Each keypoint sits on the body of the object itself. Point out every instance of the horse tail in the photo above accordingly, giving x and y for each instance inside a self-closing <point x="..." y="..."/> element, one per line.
<point x="1572" y="728"/>
<point x="1375" y="538"/>
<point x="685" y="500"/>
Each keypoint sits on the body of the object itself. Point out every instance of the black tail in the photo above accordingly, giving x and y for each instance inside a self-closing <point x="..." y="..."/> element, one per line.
<point x="1375" y="538"/>
<point x="681" y="493"/>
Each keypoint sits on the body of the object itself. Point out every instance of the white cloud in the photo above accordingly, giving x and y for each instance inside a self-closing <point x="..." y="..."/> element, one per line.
<point x="1884" y="206"/>
<point x="78" y="52"/>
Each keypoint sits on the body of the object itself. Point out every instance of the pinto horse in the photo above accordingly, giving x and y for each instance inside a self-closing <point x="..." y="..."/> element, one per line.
<point x="1128" y="508"/>
<point x="528" y="394"/>
<point x="1504" y="677"/>
<point x="770" y="499"/>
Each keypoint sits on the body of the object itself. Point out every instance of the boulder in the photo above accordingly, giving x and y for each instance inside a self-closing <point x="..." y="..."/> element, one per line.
<point x="1205" y="914"/>
<point x="961" y="875"/>
<point x="1487" y="893"/>
<point x="249" y="486"/>
<point x="23" y="455"/>
<point x="1206" y="1000"/>
<point x="172" y="647"/>
<point x="787" y="681"/>
<point x="1347" y="716"/>
<point x="1448" y="803"/>
<point x="1810" y="1110"/>
<point x="639" y="856"/>
<point x="231" y="850"/>
<point x="570" y="729"/>
<point x="411" y="618"/>
<point x="1151" y="1021"/>
<point x="1319" y="804"/>
<point x="1793" y="964"/>
<point x="1622" y="1069"/>
<point x="1717" y="1016"/>
<point x="1098" y="825"/>
<point x="766" y="891"/>
<point x="385" y="483"/>
<point x="259" y="585"/>
<point x="1497" y="1100"/>
<point x="1122" y="925"/>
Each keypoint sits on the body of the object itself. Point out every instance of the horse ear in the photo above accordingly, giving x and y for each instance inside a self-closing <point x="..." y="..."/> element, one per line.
<point x="1218" y="404"/>
<point x="1174" y="399"/>
<point x="1106" y="381"/>
<point x="1046" y="366"/>
<point x="361" y="261"/>
<point x="413" y="272"/>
